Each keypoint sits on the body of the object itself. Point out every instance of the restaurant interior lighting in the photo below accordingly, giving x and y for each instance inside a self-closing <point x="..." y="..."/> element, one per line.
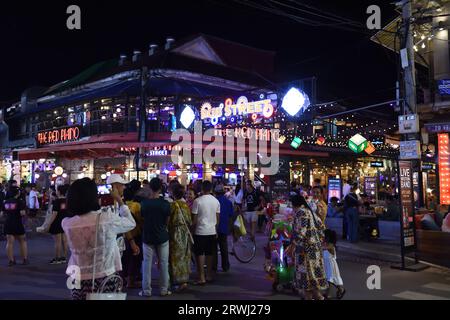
<point x="103" y="176"/>
<point x="64" y="175"/>
<point x="36" y="175"/>
<point x="158" y="172"/>
<point x="195" y="175"/>
<point x="166" y="171"/>
<point x="81" y="175"/>
<point x="108" y="174"/>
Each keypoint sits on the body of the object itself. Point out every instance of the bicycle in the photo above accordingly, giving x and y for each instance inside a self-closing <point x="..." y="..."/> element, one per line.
<point x="243" y="247"/>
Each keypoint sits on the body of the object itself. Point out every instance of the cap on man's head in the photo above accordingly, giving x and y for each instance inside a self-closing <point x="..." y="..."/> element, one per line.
<point x="115" y="178"/>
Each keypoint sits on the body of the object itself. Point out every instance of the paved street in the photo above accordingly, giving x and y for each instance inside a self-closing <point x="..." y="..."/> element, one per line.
<point x="39" y="280"/>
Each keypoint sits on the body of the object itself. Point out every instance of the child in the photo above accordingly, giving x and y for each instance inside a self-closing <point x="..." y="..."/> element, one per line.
<point x="14" y="209"/>
<point x="59" y="212"/>
<point x="330" y="263"/>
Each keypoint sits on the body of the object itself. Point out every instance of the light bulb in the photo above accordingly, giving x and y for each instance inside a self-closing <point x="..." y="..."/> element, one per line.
<point x="36" y="175"/>
<point x="423" y="45"/>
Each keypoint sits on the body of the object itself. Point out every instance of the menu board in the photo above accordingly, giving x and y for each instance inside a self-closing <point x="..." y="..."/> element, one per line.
<point x="334" y="189"/>
<point x="406" y="196"/>
<point x="444" y="168"/>
<point x="370" y="187"/>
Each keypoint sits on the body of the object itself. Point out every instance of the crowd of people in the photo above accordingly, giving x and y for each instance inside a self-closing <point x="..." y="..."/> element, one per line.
<point x="169" y="225"/>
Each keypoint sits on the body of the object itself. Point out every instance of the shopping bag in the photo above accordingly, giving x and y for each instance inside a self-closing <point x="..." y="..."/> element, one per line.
<point x="239" y="226"/>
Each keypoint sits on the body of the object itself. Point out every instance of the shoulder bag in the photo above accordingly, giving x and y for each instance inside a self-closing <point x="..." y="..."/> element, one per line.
<point x="100" y="295"/>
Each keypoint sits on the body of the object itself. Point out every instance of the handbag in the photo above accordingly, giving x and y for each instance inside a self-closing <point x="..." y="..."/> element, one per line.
<point x="191" y="238"/>
<point x="100" y="295"/>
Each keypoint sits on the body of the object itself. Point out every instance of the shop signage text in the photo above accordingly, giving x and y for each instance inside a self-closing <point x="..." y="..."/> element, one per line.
<point x="154" y="153"/>
<point x="437" y="127"/>
<point x="406" y="196"/>
<point x="242" y="107"/>
<point x="62" y="135"/>
<point x="249" y="133"/>
<point x="444" y="168"/>
<point x="410" y="150"/>
<point x="444" y="87"/>
<point x="334" y="189"/>
<point x="376" y="164"/>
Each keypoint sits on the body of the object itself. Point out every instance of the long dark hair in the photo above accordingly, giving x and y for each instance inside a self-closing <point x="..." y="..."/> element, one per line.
<point x="298" y="201"/>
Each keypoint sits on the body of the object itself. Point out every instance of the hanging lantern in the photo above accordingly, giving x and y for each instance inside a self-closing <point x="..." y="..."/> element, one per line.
<point x="320" y="141"/>
<point x="370" y="148"/>
<point x="296" y="142"/>
<point x="357" y="143"/>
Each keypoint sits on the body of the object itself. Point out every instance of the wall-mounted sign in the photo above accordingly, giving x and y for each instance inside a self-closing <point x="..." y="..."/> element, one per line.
<point x="444" y="87"/>
<point x="370" y="187"/>
<point x="444" y="168"/>
<point x="230" y="111"/>
<point x="407" y="199"/>
<point x="437" y="127"/>
<point x="377" y="164"/>
<point x="427" y="166"/>
<point x="410" y="150"/>
<point x="408" y="123"/>
<point x="154" y="153"/>
<point x="249" y="133"/>
<point x="357" y="143"/>
<point x="334" y="189"/>
<point x="62" y="135"/>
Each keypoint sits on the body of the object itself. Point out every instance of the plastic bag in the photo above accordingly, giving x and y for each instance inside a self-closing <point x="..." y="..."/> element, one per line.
<point x="239" y="226"/>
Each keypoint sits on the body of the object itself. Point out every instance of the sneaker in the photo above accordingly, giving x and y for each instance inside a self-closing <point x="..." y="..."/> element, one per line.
<point x="165" y="294"/>
<point x="143" y="294"/>
<point x="11" y="263"/>
<point x="62" y="260"/>
<point x="54" y="261"/>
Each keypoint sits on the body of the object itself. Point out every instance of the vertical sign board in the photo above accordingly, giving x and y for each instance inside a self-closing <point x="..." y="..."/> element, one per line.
<point x="370" y="187"/>
<point x="444" y="168"/>
<point x="334" y="189"/>
<point x="407" y="200"/>
<point x="279" y="183"/>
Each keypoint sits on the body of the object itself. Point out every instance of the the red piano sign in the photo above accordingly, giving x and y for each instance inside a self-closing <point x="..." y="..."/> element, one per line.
<point x="56" y="136"/>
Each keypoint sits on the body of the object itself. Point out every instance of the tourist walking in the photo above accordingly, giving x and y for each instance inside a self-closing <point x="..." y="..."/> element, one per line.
<point x="14" y="210"/>
<point x="351" y="205"/>
<point x="85" y="222"/>
<point x="180" y="240"/>
<point x="156" y="212"/>
<point x="59" y="212"/>
<point x="223" y="230"/>
<point x="205" y="212"/>
<point x="307" y="250"/>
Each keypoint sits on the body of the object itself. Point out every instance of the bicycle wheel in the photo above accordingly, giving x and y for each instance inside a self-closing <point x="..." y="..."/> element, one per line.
<point x="244" y="249"/>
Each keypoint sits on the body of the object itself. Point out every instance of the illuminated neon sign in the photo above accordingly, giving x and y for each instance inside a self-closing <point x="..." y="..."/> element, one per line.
<point x="230" y="110"/>
<point x="62" y="135"/>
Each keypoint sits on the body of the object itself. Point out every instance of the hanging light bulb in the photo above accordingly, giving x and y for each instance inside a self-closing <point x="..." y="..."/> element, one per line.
<point x="422" y="37"/>
<point x="423" y="45"/>
<point x="415" y="48"/>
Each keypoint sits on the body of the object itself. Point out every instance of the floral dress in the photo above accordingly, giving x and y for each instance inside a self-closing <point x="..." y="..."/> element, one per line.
<point x="179" y="242"/>
<point x="309" y="267"/>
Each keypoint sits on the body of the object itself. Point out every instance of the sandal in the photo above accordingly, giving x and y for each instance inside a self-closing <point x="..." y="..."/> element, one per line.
<point x="340" y="294"/>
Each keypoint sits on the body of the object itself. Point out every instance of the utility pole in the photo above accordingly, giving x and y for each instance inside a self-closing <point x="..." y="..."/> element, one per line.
<point x="142" y="135"/>
<point x="406" y="169"/>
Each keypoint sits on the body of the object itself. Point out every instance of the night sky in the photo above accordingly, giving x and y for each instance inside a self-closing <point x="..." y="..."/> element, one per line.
<point x="38" y="49"/>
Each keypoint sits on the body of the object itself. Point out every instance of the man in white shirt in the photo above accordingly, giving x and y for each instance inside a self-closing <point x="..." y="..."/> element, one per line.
<point x="346" y="188"/>
<point x="205" y="213"/>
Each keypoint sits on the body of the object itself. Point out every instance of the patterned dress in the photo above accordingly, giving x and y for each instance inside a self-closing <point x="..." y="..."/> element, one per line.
<point x="179" y="243"/>
<point x="309" y="267"/>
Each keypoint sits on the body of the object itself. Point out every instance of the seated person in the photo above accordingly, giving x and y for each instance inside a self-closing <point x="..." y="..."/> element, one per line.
<point x="333" y="209"/>
<point x="446" y="223"/>
<point x="392" y="209"/>
<point x="364" y="208"/>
